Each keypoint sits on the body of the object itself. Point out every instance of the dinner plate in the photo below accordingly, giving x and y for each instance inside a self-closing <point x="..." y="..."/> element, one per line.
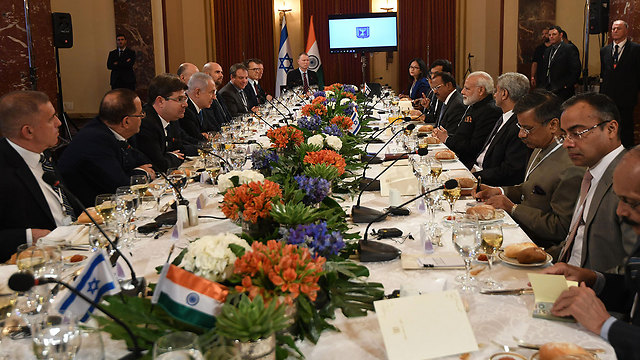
<point x="498" y="218"/>
<point x="449" y="160"/>
<point x="507" y="355"/>
<point x="67" y="260"/>
<point x="515" y="262"/>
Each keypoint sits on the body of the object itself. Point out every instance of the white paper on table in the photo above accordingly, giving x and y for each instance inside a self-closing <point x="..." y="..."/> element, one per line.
<point x="401" y="178"/>
<point x="426" y="326"/>
<point x="67" y="235"/>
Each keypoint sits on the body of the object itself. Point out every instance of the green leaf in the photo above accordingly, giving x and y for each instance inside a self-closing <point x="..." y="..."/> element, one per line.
<point x="237" y="250"/>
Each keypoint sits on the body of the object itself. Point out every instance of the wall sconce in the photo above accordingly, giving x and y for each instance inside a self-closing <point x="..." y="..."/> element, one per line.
<point x="387" y="8"/>
<point x="284" y="9"/>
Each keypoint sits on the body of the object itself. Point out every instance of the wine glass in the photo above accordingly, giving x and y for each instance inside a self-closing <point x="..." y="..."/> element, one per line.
<point x="157" y="188"/>
<point x="178" y="178"/>
<point x="491" y="242"/>
<point x="105" y="206"/>
<point x="451" y="196"/>
<point x="55" y="336"/>
<point x="177" y="345"/>
<point x="30" y="258"/>
<point x="139" y="185"/>
<point x="237" y="157"/>
<point x="466" y="240"/>
<point x="53" y="262"/>
<point x="96" y="239"/>
<point x="212" y="167"/>
<point x="432" y="198"/>
<point x="91" y="345"/>
<point x="436" y="168"/>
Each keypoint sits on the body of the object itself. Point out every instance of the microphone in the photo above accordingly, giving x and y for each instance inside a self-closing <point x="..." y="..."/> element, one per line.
<point x="137" y="285"/>
<point x="181" y="200"/>
<point x="361" y="214"/>
<point x="409" y="127"/>
<point x="300" y="97"/>
<point x="224" y="161"/>
<point x="371" y="251"/>
<point x="23" y="281"/>
<point x="284" y="117"/>
<point x="261" y="119"/>
<point x="367" y="110"/>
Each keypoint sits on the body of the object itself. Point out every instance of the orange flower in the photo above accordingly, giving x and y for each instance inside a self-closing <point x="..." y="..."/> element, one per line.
<point x="343" y="122"/>
<point x="314" y="108"/>
<point x="319" y="100"/>
<point x="253" y="200"/>
<point x="285" y="136"/>
<point x="328" y="157"/>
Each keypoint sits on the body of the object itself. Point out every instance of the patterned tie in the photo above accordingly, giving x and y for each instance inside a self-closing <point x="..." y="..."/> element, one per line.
<point x="305" y="83"/>
<point x="47" y="167"/>
<point x="255" y="86"/>
<point x="244" y="99"/>
<point x="575" y="224"/>
<point x="616" y="53"/>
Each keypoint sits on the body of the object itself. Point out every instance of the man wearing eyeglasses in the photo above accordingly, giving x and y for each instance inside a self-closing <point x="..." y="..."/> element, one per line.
<point x="99" y="159"/>
<point x="599" y="293"/>
<point x="161" y="139"/>
<point x="429" y="102"/>
<point x="452" y="108"/>
<point x="255" y="93"/>
<point x="598" y="239"/>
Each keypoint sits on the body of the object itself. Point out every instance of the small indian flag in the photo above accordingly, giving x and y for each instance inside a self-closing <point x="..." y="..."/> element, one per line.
<point x="189" y="297"/>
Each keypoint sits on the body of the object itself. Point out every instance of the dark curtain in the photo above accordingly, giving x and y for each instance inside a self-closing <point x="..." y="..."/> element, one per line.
<point x="422" y="23"/>
<point x="343" y="68"/>
<point x="240" y="37"/>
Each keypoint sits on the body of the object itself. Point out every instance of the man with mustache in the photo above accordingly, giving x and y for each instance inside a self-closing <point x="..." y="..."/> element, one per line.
<point x="599" y="293"/>
<point x="597" y="240"/>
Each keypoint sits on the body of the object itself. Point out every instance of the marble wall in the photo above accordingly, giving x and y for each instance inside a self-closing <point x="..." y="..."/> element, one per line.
<point x="14" y="61"/>
<point x="533" y="16"/>
<point x="133" y="19"/>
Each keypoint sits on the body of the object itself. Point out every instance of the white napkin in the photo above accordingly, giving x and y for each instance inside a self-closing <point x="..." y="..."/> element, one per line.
<point x="67" y="235"/>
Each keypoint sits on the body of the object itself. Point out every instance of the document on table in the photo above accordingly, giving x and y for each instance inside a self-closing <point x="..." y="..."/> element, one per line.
<point x="546" y="289"/>
<point x="426" y="326"/>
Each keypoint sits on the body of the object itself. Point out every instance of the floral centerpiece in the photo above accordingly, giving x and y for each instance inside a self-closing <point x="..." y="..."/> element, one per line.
<point x="211" y="257"/>
<point x="327" y="157"/>
<point x="237" y="177"/>
<point x="251" y="201"/>
<point x="285" y="137"/>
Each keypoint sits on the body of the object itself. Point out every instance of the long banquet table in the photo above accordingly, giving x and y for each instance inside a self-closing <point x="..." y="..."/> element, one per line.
<point x="492" y="317"/>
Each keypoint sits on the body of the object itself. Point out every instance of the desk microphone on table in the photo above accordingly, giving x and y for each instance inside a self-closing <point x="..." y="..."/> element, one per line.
<point x="290" y="116"/>
<point x="225" y="163"/>
<point x="361" y="214"/>
<point x="262" y="119"/>
<point x="137" y="284"/>
<point x="181" y="200"/>
<point x="23" y="281"/>
<point x="371" y="251"/>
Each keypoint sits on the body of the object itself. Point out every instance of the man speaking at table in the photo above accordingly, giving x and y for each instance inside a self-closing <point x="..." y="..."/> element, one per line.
<point x="598" y="292"/>
<point x="100" y="159"/>
<point x="30" y="207"/>
<point x="543" y="204"/>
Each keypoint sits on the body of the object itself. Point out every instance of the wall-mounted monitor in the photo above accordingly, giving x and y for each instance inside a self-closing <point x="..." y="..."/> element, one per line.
<point x="354" y="33"/>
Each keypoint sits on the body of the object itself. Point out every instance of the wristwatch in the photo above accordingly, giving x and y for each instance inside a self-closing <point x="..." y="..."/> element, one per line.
<point x="513" y="209"/>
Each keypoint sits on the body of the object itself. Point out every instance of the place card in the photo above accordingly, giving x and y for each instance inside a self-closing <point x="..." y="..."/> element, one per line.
<point x="401" y="178"/>
<point x="201" y="201"/>
<point x="426" y="326"/>
<point x="546" y="289"/>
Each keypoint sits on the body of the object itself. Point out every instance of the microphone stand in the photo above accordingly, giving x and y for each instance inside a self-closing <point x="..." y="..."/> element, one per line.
<point x="225" y="163"/>
<point x="284" y="117"/>
<point x="373" y="158"/>
<point x="263" y="120"/>
<point x="284" y="106"/>
<point x="181" y="200"/>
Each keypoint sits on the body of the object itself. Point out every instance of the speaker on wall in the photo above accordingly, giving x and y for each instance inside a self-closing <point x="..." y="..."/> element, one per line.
<point x="62" y="30"/>
<point x="598" y="16"/>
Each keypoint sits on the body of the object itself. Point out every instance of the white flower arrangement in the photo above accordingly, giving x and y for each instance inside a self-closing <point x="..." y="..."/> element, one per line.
<point x="317" y="140"/>
<point x="334" y="142"/>
<point x="344" y="101"/>
<point x="264" y="142"/>
<point x="210" y="256"/>
<point x="329" y="93"/>
<point x="244" y="177"/>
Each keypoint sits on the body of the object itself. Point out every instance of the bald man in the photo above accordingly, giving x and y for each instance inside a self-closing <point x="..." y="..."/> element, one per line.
<point x="217" y="113"/>
<point x="185" y="71"/>
<point x="31" y="208"/>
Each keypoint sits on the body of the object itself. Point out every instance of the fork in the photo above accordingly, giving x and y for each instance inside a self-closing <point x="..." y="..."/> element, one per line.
<point x="505" y="347"/>
<point x="524" y="344"/>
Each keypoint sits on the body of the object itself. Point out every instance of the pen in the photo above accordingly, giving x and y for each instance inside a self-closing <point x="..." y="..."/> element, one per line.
<point x="428" y="265"/>
<point x="478" y="187"/>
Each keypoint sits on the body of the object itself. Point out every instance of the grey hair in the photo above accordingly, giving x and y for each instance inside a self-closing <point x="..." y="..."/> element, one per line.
<point x="485" y="80"/>
<point x="516" y="84"/>
<point x="623" y="23"/>
<point x="199" y="81"/>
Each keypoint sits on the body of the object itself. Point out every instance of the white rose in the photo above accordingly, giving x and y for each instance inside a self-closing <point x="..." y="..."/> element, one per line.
<point x="248" y="176"/>
<point x="211" y="257"/>
<point x="264" y="142"/>
<point x="345" y="101"/>
<point x="329" y="93"/>
<point x="224" y="180"/>
<point x="317" y="140"/>
<point x="334" y="142"/>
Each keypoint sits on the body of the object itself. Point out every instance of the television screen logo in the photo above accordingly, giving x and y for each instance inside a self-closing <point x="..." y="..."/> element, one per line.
<point x="362" y="32"/>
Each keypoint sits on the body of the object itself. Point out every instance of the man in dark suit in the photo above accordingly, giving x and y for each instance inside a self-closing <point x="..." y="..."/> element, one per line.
<point x="31" y="208"/>
<point x="620" y="73"/>
<point x="598" y="239"/>
<point x="217" y="113"/>
<point x="444" y="87"/>
<point x="543" y="203"/>
<point x="302" y="76"/>
<point x="232" y="94"/>
<point x="120" y="62"/>
<point x="503" y="157"/>
<point x="99" y="159"/>
<point x="185" y="71"/>
<point x="430" y="104"/>
<point x="161" y="139"/>
<point x="561" y="66"/>
<point x="255" y="93"/>
<point x="536" y="60"/>
<point x="476" y="123"/>
<point x="599" y="293"/>
<point x="201" y="92"/>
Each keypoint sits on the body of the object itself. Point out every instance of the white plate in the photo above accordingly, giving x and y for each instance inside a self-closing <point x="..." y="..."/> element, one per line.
<point x="498" y="218"/>
<point x="515" y="262"/>
<point x="67" y="260"/>
<point x="506" y="355"/>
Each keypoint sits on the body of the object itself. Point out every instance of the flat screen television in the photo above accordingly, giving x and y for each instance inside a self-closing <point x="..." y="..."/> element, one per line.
<point x="371" y="32"/>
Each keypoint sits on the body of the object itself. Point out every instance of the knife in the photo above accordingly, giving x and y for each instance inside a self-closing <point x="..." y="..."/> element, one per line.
<point x="537" y="347"/>
<point x="521" y="291"/>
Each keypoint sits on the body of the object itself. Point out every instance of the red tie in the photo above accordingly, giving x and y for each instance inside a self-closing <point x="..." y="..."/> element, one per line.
<point x="565" y="254"/>
<point x="305" y="83"/>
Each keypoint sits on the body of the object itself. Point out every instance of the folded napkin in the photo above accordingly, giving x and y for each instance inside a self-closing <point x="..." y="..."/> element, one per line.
<point x="67" y="235"/>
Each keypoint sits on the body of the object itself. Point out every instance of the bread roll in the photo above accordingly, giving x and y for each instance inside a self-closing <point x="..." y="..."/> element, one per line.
<point x="466" y="183"/>
<point x="513" y="250"/>
<point x="425" y="128"/>
<point x="433" y="140"/>
<point x="557" y="351"/>
<point x="531" y="255"/>
<point x="84" y="219"/>
<point x="445" y="155"/>
<point x="484" y="212"/>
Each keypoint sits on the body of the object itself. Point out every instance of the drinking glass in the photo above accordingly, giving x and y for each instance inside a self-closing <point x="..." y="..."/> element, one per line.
<point x="55" y="336"/>
<point x="30" y="258"/>
<point x="237" y="157"/>
<point x="177" y="177"/>
<point x="466" y="240"/>
<point x="451" y="196"/>
<point x="180" y="345"/>
<point x="53" y="263"/>
<point x="105" y="206"/>
<point x="157" y="189"/>
<point x="431" y="199"/>
<point x="436" y="168"/>
<point x="96" y="239"/>
<point x="212" y="167"/>
<point x="491" y="242"/>
<point x="91" y="345"/>
<point x="139" y="185"/>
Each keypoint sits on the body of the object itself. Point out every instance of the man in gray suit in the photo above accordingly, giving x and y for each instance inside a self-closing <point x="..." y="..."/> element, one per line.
<point x="232" y="94"/>
<point x="543" y="204"/>
<point x="598" y="239"/>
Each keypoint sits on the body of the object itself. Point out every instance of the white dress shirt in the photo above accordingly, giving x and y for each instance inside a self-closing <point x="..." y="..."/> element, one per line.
<point x="505" y="117"/>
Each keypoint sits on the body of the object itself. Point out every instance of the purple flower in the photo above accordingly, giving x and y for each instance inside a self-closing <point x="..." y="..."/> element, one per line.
<point x="316" y="237"/>
<point x="315" y="188"/>
<point x="332" y="129"/>
<point x="262" y="159"/>
<point x="319" y="93"/>
<point x="311" y="123"/>
<point x="349" y="88"/>
<point x="348" y="111"/>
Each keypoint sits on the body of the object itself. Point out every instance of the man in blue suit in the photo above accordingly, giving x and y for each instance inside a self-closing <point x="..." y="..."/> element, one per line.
<point x="100" y="159"/>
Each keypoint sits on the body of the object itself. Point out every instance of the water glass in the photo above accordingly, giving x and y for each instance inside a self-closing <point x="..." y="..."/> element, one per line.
<point x="182" y="345"/>
<point x="466" y="240"/>
<point x="55" y="336"/>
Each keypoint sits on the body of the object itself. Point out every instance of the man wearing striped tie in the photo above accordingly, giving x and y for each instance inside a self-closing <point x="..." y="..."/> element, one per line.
<point x="31" y="208"/>
<point x="233" y="94"/>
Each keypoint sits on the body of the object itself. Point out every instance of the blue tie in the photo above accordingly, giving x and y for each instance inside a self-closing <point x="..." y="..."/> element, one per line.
<point x="200" y="116"/>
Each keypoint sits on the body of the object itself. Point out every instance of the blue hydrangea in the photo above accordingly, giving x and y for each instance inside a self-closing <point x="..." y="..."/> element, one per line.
<point x="315" y="188"/>
<point x="319" y="93"/>
<point x="348" y="111"/>
<point x="316" y="237"/>
<point x="311" y="123"/>
<point x="349" y="88"/>
<point x="332" y="129"/>
<point x="261" y="159"/>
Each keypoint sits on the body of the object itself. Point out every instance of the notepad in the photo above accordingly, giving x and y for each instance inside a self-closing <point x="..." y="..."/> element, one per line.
<point x="425" y="327"/>
<point x="546" y="289"/>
